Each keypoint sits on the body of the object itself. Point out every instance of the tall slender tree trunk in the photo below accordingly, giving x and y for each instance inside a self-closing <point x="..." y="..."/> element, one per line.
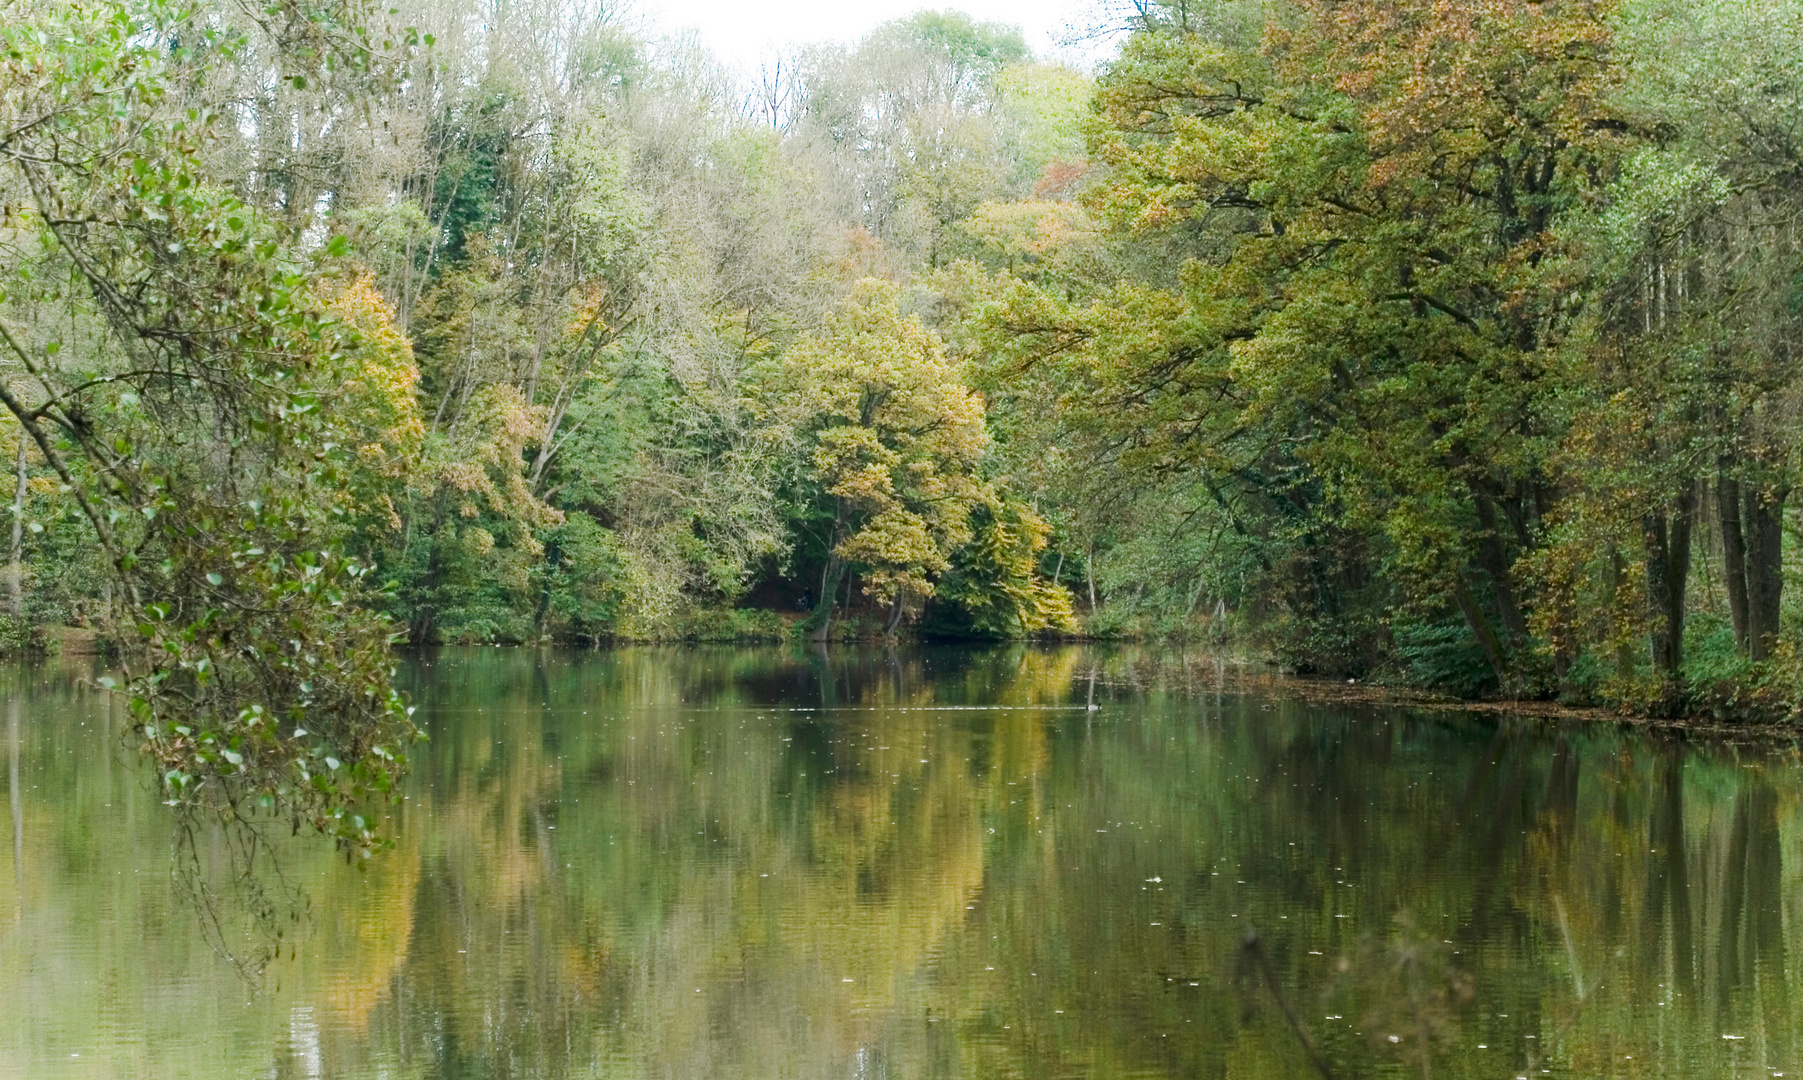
<point x="829" y="577"/>
<point x="1089" y="565"/>
<point x="1764" y="526"/>
<point x="1480" y="626"/>
<point x="1734" y="553"/>
<point x="15" y="568"/>
<point x="423" y="616"/>
<point x="1667" y="535"/>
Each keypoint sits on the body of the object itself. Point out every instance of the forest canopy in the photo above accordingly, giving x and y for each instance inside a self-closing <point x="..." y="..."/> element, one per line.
<point x="1445" y="344"/>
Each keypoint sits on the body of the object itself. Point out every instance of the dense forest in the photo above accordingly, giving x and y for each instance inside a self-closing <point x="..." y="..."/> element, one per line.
<point x="1448" y="344"/>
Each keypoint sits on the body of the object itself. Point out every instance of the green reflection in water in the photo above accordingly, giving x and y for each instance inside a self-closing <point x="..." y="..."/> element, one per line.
<point x="713" y="863"/>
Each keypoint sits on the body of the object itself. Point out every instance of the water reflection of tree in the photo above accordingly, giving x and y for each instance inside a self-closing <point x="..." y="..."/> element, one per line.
<point x="582" y="882"/>
<point x="796" y="882"/>
<point x="875" y="860"/>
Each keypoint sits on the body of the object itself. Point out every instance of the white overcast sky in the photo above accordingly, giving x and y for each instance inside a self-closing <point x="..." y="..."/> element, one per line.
<point x="745" y="32"/>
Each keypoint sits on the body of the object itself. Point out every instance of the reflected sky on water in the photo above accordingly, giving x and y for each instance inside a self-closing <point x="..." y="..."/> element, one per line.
<point x="933" y="863"/>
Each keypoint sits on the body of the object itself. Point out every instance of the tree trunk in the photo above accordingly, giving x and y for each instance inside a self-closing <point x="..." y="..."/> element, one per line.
<point x="1734" y="554"/>
<point x="553" y="557"/>
<point x="1667" y="574"/>
<point x="829" y="575"/>
<point x="1765" y="568"/>
<point x="15" y="569"/>
<point x="1089" y="565"/>
<point x="895" y="616"/>
<point x="829" y="596"/>
<point x="1481" y="628"/>
<point x="419" y="632"/>
<point x="1493" y="556"/>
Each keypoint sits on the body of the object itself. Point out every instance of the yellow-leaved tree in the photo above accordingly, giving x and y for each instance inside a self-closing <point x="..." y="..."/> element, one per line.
<point x="891" y="439"/>
<point x="377" y="385"/>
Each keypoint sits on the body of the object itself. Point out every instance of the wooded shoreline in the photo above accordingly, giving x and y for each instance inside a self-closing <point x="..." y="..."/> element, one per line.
<point x="1449" y="346"/>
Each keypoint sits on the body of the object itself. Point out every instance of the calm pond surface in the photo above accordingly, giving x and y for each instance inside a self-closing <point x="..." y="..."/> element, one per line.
<point x="774" y="863"/>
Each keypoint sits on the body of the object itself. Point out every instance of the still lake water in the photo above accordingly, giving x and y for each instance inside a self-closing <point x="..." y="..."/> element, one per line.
<point x="717" y="863"/>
